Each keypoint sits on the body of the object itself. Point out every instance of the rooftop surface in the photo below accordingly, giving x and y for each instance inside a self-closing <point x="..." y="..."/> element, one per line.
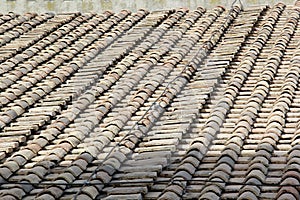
<point x="98" y="6"/>
<point x="173" y="104"/>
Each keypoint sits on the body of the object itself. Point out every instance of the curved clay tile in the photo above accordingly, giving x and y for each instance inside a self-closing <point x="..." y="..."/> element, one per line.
<point x="77" y="107"/>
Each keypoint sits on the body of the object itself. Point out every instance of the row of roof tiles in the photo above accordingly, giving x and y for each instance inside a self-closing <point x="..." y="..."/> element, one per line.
<point x="133" y="105"/>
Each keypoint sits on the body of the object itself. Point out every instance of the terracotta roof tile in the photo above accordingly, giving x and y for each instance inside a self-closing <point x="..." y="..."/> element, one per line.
<point x="199" y="99"/>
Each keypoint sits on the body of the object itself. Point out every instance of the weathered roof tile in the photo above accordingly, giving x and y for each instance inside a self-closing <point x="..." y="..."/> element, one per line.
<point x="211" y="94"/>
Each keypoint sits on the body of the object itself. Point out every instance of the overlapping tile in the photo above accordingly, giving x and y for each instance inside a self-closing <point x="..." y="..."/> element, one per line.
<point x="172" y="104"/>
<point x="156" y="146"/>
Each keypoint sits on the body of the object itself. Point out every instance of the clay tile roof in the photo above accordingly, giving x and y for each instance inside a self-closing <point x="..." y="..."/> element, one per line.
<point x="170" y="104"/>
